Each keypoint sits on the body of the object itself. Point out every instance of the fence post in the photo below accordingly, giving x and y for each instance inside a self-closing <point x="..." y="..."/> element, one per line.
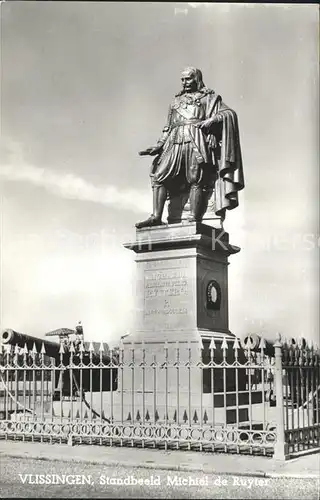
<point x="281" y="448"/>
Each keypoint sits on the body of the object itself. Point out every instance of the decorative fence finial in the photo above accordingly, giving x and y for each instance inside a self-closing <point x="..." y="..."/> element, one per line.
<point x="212" y="344"/>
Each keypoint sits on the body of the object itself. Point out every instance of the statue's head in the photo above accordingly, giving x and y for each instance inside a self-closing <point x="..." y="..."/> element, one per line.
<point x="191" y="79"/>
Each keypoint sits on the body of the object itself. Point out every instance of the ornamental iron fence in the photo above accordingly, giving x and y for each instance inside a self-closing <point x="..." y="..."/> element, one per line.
<point x="219" y="395"/>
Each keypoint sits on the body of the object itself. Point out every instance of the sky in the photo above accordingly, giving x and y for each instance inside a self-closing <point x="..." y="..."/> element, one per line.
<point x="84" y="87"/>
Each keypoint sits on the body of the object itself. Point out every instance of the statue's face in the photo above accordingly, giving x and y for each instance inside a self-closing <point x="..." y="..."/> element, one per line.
<point x="189" y="82"/>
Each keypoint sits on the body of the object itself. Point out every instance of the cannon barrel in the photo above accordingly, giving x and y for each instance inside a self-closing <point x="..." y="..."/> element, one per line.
<point x="21" y="340"/>
<point x="253" y="341"/>
<point x="94" y="379"/>
<point x="52" y="349"/>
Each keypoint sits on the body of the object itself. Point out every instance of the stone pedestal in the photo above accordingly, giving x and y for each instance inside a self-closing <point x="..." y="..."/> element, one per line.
<point x="182" y="282"/>
<point x="181" y="304"/>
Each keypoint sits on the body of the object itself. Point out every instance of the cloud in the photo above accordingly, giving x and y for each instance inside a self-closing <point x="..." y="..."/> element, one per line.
<point x="67" y="185"/>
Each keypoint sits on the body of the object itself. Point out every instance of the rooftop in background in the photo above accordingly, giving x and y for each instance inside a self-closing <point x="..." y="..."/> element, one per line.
<point x="65" y="332"/>
<point x="62" y="332"/>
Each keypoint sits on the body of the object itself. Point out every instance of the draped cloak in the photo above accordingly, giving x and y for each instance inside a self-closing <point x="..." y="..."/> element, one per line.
<point x="217" y="149"/>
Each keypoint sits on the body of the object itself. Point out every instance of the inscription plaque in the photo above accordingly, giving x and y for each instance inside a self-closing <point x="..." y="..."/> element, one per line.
<point x="165" y="292"/>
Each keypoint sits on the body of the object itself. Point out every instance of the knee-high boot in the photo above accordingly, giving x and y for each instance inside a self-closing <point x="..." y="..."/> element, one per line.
<point x="159" y="199"/>
<point x="196" y="203"/>
<point x="159" y="194"/>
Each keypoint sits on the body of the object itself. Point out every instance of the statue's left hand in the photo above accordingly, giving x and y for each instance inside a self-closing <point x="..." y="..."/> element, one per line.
<point x="206" y="124"/>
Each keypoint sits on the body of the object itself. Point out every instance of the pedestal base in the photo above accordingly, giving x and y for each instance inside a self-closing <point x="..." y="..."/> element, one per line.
<point x="181" y="305"/>
<point x="177" y="380"/>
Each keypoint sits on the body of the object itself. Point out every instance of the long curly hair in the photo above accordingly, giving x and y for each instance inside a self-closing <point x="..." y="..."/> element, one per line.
<point x="198" y="77"/>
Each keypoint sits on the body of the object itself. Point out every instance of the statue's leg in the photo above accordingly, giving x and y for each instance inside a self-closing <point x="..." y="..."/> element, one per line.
<point x="159" y="194"/>
<point x="161" y="179"/>
<point x="159" y="199"/>
<point x="195" y="178"/>
<point x="196" y="203"/>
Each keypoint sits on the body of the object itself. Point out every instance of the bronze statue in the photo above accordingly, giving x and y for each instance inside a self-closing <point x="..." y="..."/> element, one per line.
<point x="198" y="155"/>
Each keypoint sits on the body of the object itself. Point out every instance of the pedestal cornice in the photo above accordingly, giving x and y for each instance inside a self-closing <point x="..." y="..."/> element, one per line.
<point x="182" y="235"/>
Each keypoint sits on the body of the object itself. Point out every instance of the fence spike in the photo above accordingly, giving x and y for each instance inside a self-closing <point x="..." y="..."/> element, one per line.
<point x="78" y="413"/>
<point x="212" y="344"/>
<point x="147" y="416"/>
<point x="138" y="417"/>
<point x="34" y="349"/>
<point x="91" y="348"/>
<point x="205" y="417"/>
<point x="43" y="349"/>
<point x="156" y="416"/>
<point x="71" y="348"/>
<point x="129" y="417"/>
<point x="195" y="417"/>
<point x="85" y="416"/>
<point x="224" y="344"/>
<point x="101" y="348"/>
<point x="236" y="344"/>
<point x="175" y="416"/>
<point x="81" y="347"/>
<point x="185" y="416"/>
<point x="61" y="350"/>
<point x="16" y="349"/>
<point x="309" y="344"/>
<point x="262" y="344"/>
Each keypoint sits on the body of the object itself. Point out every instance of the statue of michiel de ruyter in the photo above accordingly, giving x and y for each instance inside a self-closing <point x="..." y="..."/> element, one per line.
<point x="198" y="158"/>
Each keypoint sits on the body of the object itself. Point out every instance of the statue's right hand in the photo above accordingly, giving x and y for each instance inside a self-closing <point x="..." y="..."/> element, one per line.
<point x="150" y="151"/>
